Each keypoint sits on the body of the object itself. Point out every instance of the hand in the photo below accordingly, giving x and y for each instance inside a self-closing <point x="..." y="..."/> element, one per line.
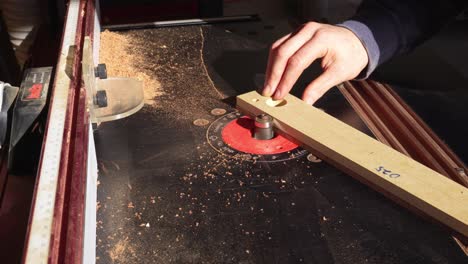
<point x="342" y="53"/>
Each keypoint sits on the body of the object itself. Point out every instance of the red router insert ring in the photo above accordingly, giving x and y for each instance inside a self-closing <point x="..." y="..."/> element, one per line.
<point x="238" y="135"/>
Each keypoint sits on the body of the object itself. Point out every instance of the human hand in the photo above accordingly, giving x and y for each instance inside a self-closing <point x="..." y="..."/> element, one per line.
<point x="343" y="58"/>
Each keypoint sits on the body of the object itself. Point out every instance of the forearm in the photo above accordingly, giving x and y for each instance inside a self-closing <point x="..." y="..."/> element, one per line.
<point x="391" y="27"/>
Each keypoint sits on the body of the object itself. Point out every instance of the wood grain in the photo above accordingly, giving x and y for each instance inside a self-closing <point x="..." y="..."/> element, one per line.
<point x="377" y="164"/>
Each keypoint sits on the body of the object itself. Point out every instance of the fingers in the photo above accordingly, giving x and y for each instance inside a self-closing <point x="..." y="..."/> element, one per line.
<point x="302" y="59"/>
<point x="343" y="57"/>
<point x="266" y="89"/>
<point x="279" y="56"/>
<point x="317" y="88"/>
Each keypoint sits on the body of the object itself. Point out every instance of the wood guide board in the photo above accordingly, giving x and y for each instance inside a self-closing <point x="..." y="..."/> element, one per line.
<point x="413" y="183"/>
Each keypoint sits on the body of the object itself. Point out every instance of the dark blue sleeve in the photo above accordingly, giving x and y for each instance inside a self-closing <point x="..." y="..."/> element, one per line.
<point x="391" y="27"/>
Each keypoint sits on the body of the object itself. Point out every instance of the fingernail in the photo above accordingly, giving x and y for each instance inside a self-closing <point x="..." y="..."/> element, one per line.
<point x="267" y="90"/>
<point x="277" y="95"/>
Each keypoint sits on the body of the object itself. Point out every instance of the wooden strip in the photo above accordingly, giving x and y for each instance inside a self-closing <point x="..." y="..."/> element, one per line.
<point x="433" y="142"/>
<point x="44" y="237"/>
<point x="357" y="106"/>
<point x="386" y="136"/>
<point x="410" y="123"/>
<point x="421" y="144"/>
<point x="435" y="149"/>
<point x="405" y="135"/>
<point x="439" y="150"/>
<point x="421" y="187"/>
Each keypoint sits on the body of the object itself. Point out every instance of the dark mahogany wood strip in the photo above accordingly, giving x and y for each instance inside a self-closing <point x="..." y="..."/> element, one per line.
<point x="401" y="131"/>
<point x="377" y="126"/>
<point x="455" y="167"/>
<point x="417" y="139"/>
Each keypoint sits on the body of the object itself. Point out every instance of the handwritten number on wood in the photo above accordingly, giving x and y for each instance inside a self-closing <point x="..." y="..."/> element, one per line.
<point x="388" y="173"/>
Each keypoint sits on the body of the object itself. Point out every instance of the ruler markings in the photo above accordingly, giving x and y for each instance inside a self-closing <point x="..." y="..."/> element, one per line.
<point x="38" y="246"/>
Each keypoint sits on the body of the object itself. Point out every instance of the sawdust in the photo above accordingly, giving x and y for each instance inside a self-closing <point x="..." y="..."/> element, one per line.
<point x="121" y="251"/>
<point x="174" y="56"/>
<point x="123" y="60"/>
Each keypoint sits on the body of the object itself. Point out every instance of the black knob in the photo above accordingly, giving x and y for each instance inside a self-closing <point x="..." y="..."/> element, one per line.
<point x="101" y="98"/>
<point x="101" y="71"/>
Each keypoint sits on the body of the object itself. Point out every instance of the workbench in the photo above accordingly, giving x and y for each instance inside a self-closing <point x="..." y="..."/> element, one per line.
<point x="165" y="195"/>
<point x="168" y="191"/>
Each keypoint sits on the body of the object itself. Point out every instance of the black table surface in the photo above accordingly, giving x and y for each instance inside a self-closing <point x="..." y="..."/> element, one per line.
<point x="166" y="196"/>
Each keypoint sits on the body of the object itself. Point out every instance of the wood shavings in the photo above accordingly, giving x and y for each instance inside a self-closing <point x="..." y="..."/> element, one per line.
<point x="122" y="60"/>
<point x="121" y="251"/>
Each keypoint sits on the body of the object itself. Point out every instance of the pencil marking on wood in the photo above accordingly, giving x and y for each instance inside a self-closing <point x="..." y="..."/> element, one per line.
<point x="366" y="158"/>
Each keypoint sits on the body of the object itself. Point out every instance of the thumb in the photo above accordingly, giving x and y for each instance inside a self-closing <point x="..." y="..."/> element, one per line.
<point x="318" y="87"/>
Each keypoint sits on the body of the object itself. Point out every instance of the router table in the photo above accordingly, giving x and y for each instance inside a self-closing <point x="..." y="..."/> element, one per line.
<point x="167" y="185"/>
<point x="173" y="190"/>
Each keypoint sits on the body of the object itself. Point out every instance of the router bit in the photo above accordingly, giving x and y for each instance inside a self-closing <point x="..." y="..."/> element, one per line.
<point x="263" y="127"/>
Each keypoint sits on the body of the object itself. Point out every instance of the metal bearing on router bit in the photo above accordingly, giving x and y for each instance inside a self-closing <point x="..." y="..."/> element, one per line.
<point x="263" y="127"/>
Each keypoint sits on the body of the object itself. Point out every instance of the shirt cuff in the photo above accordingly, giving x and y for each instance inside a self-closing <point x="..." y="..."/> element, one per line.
<point x="365" y="35"/>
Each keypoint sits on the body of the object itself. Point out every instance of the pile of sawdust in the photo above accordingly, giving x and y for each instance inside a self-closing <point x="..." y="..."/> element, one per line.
<point x="121" y="60"/>
<point x="121" y="251"/>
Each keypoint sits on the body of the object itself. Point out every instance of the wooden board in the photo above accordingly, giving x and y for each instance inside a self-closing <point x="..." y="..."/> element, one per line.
<point x="377" y="105"/>
<point x="377" y="164"/>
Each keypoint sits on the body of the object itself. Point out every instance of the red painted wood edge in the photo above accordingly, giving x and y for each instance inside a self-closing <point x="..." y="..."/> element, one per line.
<point x="58" y="209"/>
<point x="66" y="245"/>
<point x="64" y="203"/>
